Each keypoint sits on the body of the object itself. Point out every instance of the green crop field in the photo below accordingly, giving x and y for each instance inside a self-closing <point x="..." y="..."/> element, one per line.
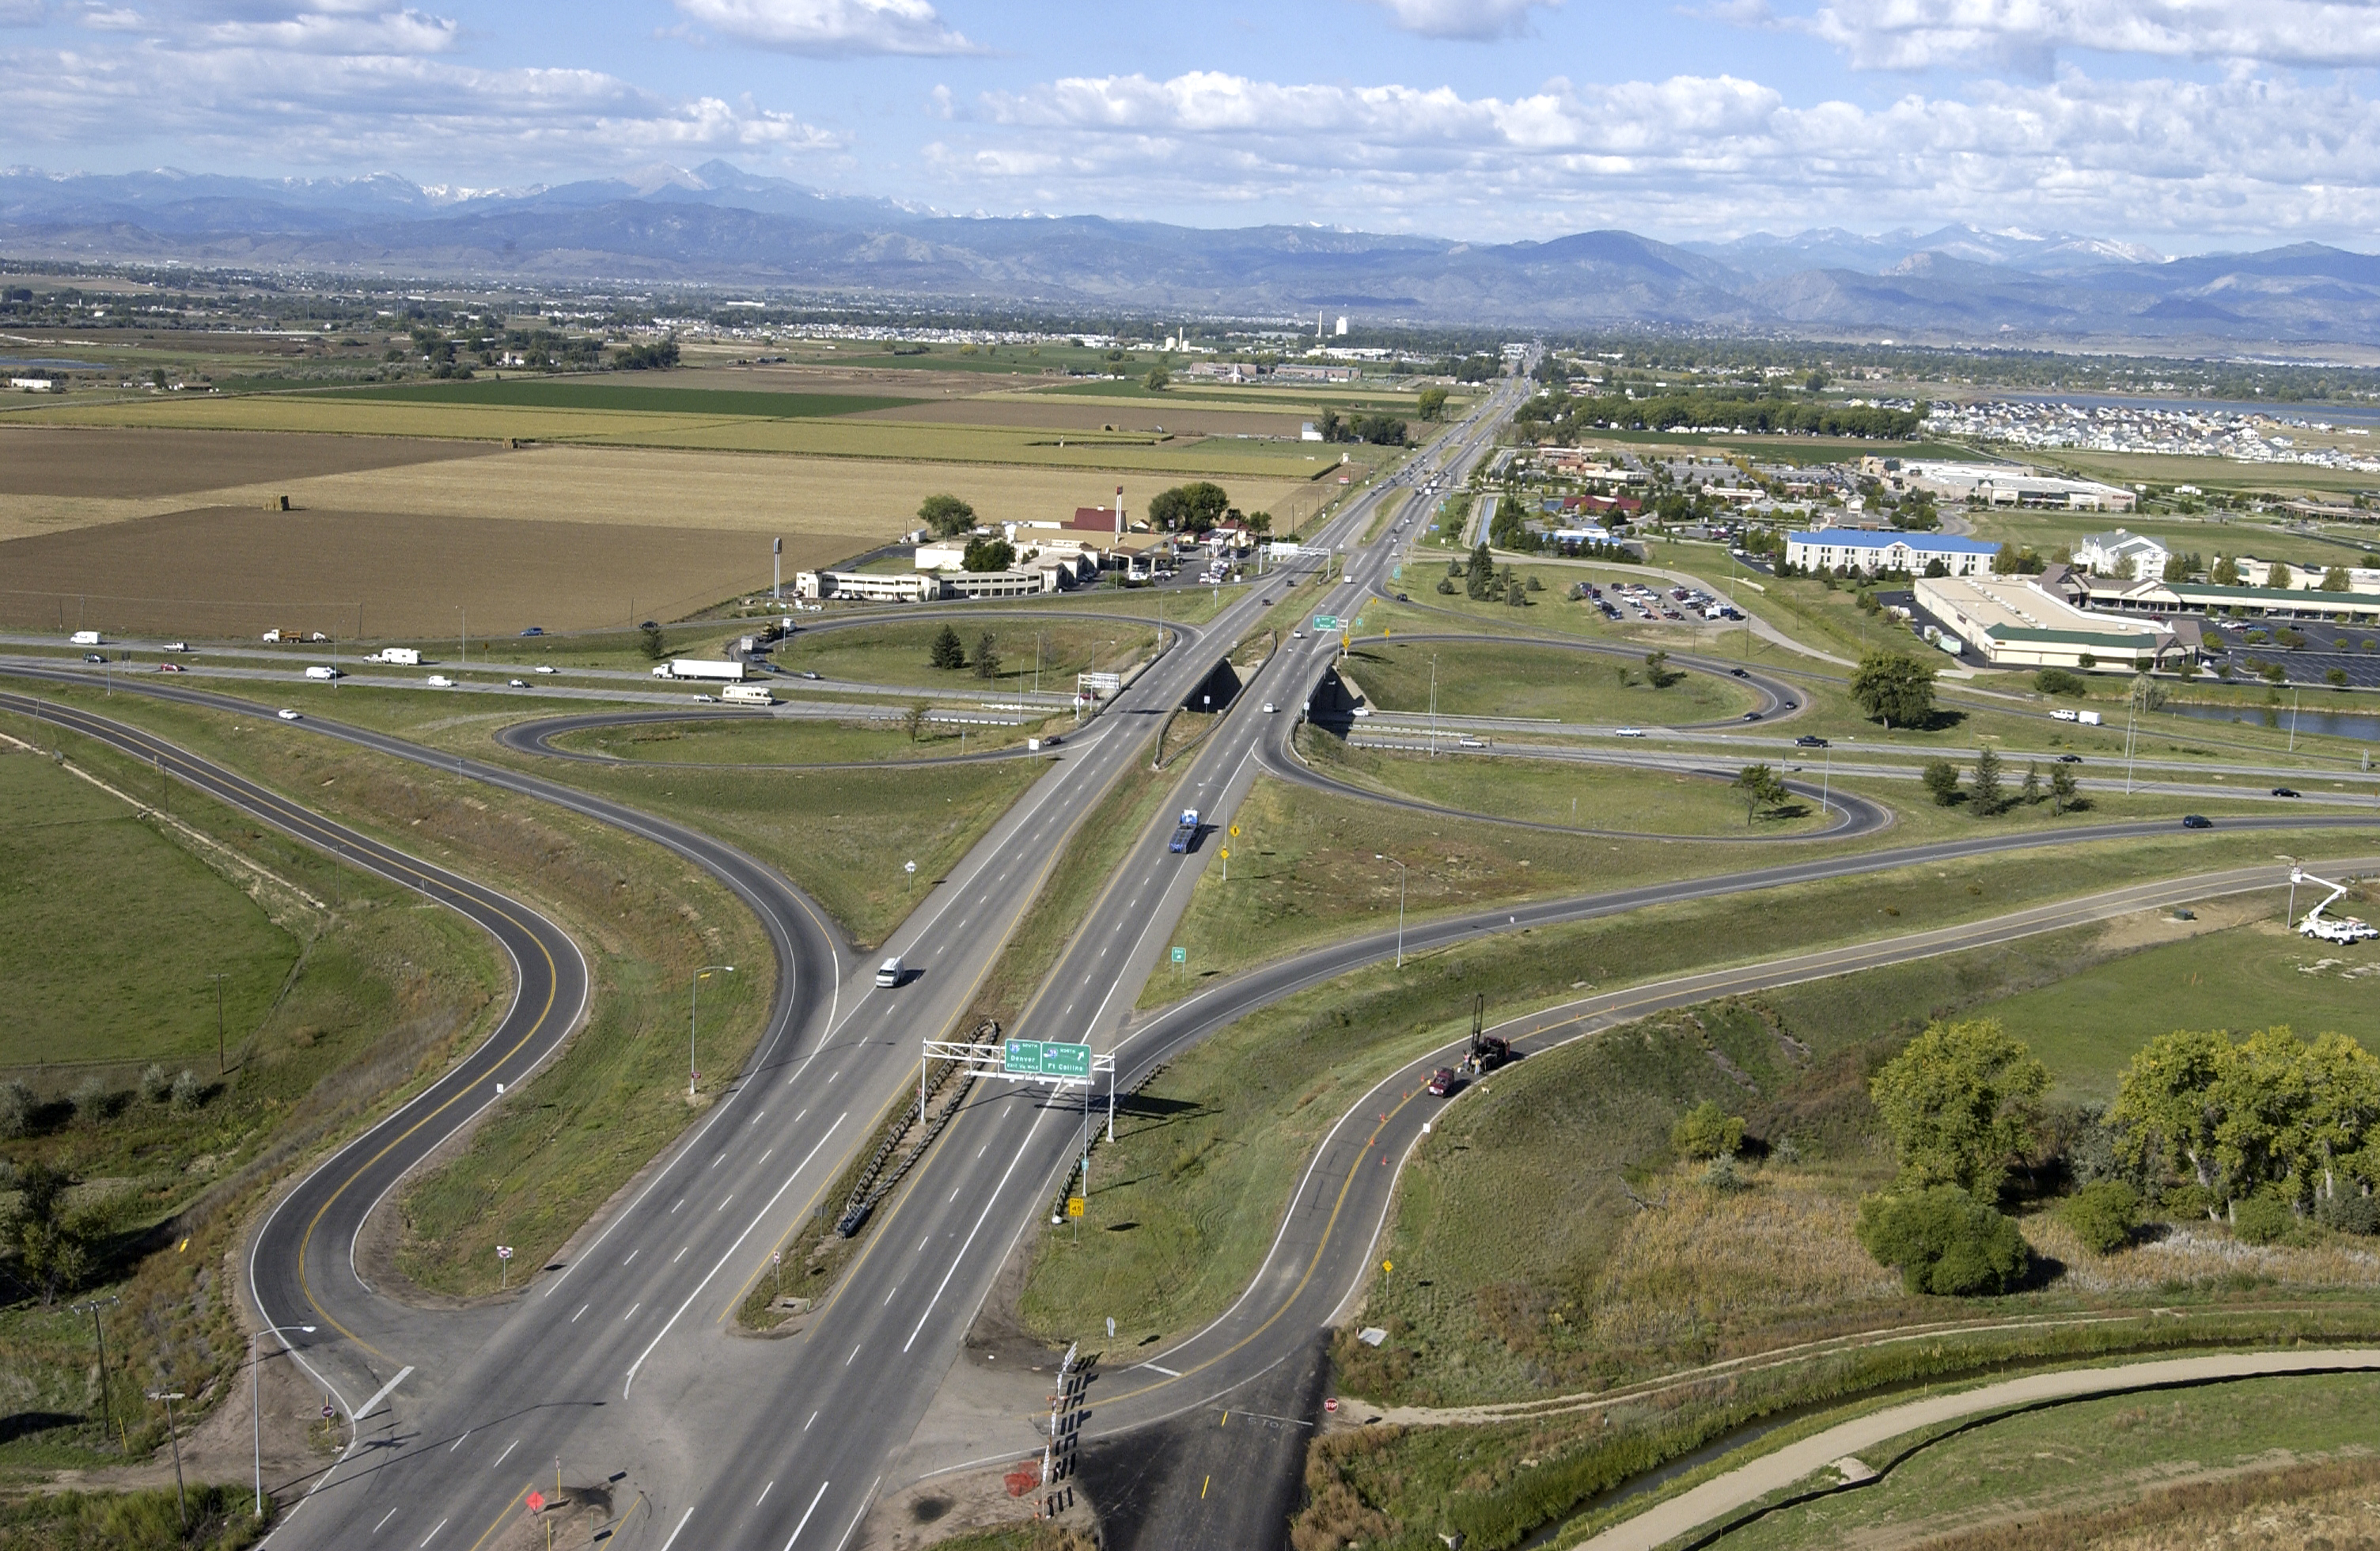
<point x="1552" y="683"/>
<point x="109" y="930"/>
<point x="896" y="652"/>
<point x="609" y="392"/>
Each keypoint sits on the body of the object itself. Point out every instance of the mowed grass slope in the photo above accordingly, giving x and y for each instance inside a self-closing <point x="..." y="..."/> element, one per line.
<point x="1564" y="792"/>
<point x="900" y="652"/>
<point x="110" y="932"/>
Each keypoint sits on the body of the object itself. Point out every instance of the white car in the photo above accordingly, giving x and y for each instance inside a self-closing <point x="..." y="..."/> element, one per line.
<point x="288" y="715"/>
<point x="545" y="668"/>
<point x="1628" y="731"/>
<point x="1268" y="707"/>
<point x="1471" y="742"/>
<point x="440" y="681"/>
<point x="174" y="646"/>
<point x="1297" y="634"/>
<point x="516" y="684"/>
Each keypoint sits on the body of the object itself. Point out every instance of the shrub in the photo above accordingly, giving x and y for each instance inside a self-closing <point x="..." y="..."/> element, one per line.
<point x="2261" y="1219"/>
<point x="1943" y="1241"/>
<point x="1707" y="1131"/>
<point x="1941" y="778"/>
<point x="2104" y="1215"/>
<point x="155" y="1084"/>
<point x="91" y="1100"/>
<point x="2353" y="1212"/>
<point x="187" y="1090"/>
<point x="2192" y="1200"/>
<point x="2059" y="680"/>
<point x="15" y="1109"/>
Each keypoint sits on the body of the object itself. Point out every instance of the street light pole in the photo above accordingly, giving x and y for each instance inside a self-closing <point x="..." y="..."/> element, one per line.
<point x="255" y="1402"/>
<point x="693" y="1073"/>
<point x="1401" y="874"/>
<point x="220" y="1068"/>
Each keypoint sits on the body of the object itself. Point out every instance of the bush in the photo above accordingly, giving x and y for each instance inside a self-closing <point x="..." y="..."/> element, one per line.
<point x="155" y="1087"/>
<point x="2058" y="681"/>
<point x="187" y="1090"/>
<point x="2261" y="1219"/>
<point x="1943" y="1241"/>
<point x="15" y="1109"/>
<point x="1707" y="1131"/>
<point x="2103" y="1215"/>
<point x="1941" y="778"/>
<point x="2192" y="1200"/>
<point x="2353" y="1212"/>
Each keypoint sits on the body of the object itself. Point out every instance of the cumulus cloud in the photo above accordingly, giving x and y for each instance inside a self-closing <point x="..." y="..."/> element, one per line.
<point x="344" y="31"/>
<point x="1463" y="19"/>
<point x="832" y="28"/>
<point x="217" y="88"/>
<point x="1689" y="153"/>
<point x="2028" y="35"/>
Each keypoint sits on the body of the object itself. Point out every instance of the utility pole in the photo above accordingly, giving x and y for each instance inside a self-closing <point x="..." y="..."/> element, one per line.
<point x="693" y="1076"/>
<point x="1401" y="874"/>
<point x="181" y="1495"/>
<point x="99" y="1335"/>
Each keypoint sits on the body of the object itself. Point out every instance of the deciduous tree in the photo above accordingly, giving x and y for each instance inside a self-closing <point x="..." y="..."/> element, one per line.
<point x="1957" y="1101"/>
<point x="1894" y="688"/>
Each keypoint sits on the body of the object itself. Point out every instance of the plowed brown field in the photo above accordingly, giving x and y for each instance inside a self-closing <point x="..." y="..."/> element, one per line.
<point x="239" y="571"/>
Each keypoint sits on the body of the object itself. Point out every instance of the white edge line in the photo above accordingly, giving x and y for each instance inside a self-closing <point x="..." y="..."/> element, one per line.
<point x="866" y="1498"/>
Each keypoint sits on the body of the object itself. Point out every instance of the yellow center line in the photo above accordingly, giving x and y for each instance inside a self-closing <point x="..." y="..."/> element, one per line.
<point x="506" y="1512"/>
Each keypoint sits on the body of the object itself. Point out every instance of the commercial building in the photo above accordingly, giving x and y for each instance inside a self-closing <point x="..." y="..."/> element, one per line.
<point x="2014" y="622"/>
<point x="868" y="586"/>
<point x="1995" y="484"/>
<point x="1831" y="548"/>
<point x="2155" y="597"/>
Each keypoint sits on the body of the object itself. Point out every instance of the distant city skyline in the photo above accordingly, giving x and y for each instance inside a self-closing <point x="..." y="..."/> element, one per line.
<point x="2184" y="127"/>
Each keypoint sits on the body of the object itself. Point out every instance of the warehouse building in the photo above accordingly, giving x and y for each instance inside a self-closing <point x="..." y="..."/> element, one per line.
<point x="2014" y="622"/>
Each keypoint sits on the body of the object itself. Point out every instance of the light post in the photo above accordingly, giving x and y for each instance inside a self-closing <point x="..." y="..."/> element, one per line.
<point x="100" y="1336"/>
<point x="464" y="639"/>
<point x="181" y="1495"/>
<point x="219" y="979"/>
<point x="255" y="1402"/>
<point x="2296" y="874"/>
<point x="694" y="988"/>
<point x="1401" y="874"/>
<point x="1433" y="705"/>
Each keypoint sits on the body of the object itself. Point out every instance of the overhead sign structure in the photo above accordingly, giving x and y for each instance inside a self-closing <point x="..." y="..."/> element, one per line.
<point x="1033" y="1058"/>
<point x="1325" y="621"/>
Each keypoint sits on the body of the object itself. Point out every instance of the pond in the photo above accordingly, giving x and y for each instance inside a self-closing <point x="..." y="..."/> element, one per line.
<point x="2361" y="726"/>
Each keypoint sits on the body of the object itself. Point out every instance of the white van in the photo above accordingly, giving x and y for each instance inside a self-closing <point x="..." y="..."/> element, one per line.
<point x="440" y="681"/>
<point x="889" y="973"/>
<point x="84" y="638"/>
<point x="320" y="672"/>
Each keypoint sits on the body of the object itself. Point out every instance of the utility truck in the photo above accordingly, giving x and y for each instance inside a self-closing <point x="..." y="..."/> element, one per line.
<point x="2330" y="928"/>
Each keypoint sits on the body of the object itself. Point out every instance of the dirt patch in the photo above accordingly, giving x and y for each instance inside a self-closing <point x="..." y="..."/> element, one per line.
<point x="106" y="462"/>
<point x="947" y="1505"/>
<point x="232" y="571"/>
<point x="2150" y="928"/>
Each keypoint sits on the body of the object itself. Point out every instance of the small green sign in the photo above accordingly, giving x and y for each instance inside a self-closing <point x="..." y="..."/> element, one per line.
<point x="1358" y="624"/>
<point x="1181" y="955"/>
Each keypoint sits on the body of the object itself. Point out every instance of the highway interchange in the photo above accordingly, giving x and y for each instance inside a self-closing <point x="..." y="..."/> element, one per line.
<point x="615" y="1359"/>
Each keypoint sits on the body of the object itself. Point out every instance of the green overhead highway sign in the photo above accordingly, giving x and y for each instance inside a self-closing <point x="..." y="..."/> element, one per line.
<point x="1325" y="621"/>
<point x="1032" y="1057"/>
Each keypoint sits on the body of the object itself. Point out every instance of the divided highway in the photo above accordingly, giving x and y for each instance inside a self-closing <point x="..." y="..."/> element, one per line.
<point x="616" y="1361"/>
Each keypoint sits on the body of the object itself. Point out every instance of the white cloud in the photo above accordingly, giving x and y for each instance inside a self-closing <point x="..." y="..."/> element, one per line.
<point x="1689" y="154"/>
<point x="2028" y="35"/>
<point x="343" y="111"/>
<point x="317" y="31"/>
<point x="1463" y="19"/>
<point x="832" y="28"/>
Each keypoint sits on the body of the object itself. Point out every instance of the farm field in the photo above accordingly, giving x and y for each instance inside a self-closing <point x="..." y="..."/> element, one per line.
<point x="343" y="414"/>
<point x="239" y="571"/>
<point x="1519" y="679"/>
<point x="610" y="391"/>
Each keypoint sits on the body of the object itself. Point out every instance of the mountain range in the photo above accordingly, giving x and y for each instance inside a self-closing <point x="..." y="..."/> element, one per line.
<point x="718" y="225"/>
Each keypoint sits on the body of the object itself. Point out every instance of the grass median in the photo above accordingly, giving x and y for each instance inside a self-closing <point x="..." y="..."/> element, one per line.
<point x="1538" y="683"/>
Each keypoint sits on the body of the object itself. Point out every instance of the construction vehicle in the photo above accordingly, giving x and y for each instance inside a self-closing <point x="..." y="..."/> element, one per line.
<point x="1487" y="1051"/>
<point x="2330" y="928"/>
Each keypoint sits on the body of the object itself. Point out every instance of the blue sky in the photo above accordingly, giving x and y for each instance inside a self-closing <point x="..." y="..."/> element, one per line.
<point x="2179" y="124"/>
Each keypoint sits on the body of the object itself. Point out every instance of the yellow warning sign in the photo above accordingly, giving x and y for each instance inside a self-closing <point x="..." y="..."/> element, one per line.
<point x="1073" y="1206"/>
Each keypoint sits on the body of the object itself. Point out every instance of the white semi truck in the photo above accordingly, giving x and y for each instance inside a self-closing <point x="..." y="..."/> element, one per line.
<point x="709" y="670"/>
